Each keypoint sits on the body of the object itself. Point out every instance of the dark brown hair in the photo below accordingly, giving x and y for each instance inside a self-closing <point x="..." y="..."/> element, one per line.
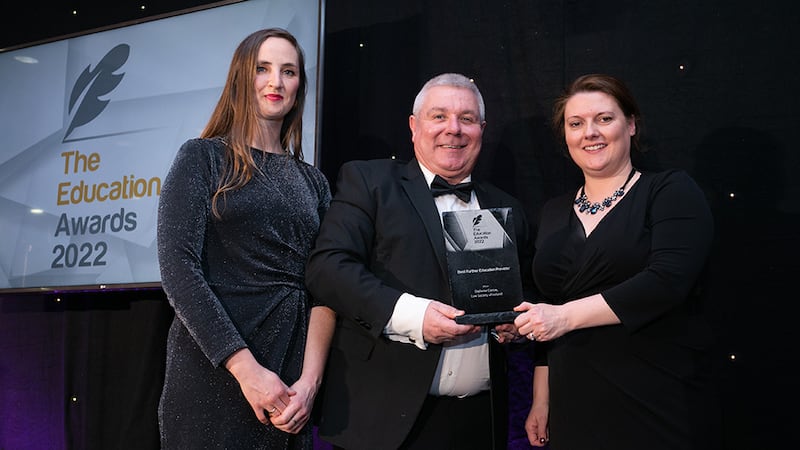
<point x="234" y="117"/>
<point x="598" y="82"/>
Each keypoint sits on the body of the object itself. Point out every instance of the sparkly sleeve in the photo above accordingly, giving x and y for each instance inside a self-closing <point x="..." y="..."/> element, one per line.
<point x="322" y="188"/>
<point x="183" y="211"/>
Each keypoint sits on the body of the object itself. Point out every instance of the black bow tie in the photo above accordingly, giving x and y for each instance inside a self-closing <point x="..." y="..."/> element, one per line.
<point x="440" y="186"/>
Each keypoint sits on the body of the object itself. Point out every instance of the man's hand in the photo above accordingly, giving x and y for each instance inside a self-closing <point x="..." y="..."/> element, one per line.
<point x="439" y="325"/>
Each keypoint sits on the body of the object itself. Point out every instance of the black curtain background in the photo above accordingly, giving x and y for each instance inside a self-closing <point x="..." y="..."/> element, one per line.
<point x="715" y="80"/>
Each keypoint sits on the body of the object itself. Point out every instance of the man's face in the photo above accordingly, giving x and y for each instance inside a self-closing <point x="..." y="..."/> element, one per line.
<point x="447" y="132"/>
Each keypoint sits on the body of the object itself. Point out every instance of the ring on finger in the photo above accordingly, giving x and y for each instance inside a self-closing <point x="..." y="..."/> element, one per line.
<point x="531" y="336"/>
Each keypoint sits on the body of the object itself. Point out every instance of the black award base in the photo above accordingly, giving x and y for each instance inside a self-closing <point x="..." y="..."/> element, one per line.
<point x="487" y="318"/>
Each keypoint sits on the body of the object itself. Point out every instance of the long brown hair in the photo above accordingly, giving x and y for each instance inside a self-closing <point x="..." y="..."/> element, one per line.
<point x="234" y="117"/>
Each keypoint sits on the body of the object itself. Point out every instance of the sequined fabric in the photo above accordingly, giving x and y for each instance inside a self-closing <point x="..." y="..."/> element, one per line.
<point x="235" y="281"/>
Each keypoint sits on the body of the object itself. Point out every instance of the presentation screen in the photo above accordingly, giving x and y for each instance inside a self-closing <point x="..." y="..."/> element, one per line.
<point x="90" y="127"/>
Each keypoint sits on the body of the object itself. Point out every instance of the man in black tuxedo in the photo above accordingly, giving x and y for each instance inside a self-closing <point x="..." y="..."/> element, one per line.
<point x="402" y="374"/>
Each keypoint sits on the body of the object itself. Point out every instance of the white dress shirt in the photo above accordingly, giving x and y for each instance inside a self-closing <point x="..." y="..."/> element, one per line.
<point x="464" y="364"/>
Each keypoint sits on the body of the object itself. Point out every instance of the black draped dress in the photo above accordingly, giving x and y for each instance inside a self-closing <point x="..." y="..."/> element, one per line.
<point x="643" y="384"/>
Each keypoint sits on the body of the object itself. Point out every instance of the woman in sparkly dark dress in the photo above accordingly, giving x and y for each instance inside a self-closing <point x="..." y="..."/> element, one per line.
<point x="238" y="214"/>
<point x="619" y="263"/>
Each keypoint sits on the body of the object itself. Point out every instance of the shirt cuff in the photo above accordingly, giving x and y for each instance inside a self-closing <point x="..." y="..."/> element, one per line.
<point x="405" y="325"/>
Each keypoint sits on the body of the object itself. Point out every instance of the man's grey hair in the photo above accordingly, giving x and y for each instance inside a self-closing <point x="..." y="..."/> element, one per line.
<point x="454" y="80"/>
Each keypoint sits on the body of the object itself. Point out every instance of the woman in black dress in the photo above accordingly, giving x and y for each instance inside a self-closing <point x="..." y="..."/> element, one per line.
<point x="238" y="214"/>
<point x="619" y="261"/>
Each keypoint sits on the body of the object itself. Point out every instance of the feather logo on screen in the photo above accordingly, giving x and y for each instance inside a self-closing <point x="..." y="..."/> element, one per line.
<point x="92" y="84"/>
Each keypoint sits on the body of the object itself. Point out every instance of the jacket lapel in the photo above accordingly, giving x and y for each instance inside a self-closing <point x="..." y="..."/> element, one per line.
<point x="419" y="194"/>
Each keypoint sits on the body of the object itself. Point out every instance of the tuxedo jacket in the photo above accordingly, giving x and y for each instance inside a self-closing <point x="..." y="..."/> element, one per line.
<point x="381" y="237"/>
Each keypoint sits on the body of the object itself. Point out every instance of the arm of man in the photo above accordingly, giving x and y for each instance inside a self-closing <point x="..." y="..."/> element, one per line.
<point x="338" y="272"/>
<point x="365" y="259"/>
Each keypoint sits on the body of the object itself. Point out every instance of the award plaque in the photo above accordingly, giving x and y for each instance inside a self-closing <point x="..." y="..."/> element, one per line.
<point x="483" y="264"/>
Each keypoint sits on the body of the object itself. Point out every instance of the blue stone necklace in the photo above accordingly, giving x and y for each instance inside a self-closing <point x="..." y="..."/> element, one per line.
<point x="587" y="207"/>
